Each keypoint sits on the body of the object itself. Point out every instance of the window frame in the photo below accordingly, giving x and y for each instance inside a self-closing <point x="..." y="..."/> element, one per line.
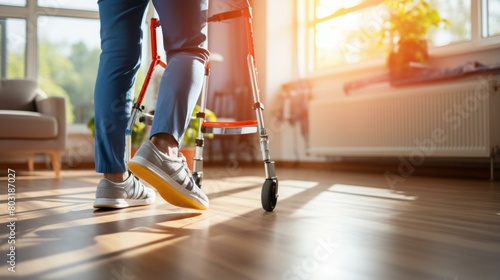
<point x="30" y="13"/>
<point x="308" y="21"/>
<point x="3" y="47"/>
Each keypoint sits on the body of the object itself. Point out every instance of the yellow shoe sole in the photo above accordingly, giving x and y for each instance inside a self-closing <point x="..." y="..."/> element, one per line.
<point x="166" y="190"/>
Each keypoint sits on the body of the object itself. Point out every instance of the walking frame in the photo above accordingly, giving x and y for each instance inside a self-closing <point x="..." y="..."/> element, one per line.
<point x="269" y="192"/>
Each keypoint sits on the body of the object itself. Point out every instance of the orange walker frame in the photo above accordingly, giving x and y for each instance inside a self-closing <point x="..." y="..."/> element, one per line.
<point x="269" y="193"/>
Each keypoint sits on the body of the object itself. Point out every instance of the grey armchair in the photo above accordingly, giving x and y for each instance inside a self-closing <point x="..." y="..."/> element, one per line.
<point x="31" y="123"/>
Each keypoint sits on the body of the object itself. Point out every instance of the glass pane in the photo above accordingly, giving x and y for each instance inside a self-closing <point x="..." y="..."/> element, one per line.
<point x="13" y="48"/>
<point x="13" y="2"/>
<point x="90" y="5"/>
<point x="492" y="18"/>
<point x="350" y="38"/>
<point x="68" y="62"/>
<point x="327" y="7"/>
<point x="458" y="13"/>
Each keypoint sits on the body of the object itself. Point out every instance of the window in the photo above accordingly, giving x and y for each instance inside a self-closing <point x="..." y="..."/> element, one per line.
<point x="68" y="60"/>
<point x="57" y="43"/>
<point x="491" y="18"/>
<point x="41" y="39"/>
<point x="12" y="48"/>
<point x="78" y="5"/>
<point x="348" y="32"/>
<point x="13" y="2"/>
<point x="349" y="38"/>
<point x="458" y="13"/>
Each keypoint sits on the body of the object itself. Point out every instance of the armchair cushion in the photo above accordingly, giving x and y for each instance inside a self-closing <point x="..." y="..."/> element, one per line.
<point x="18" y="94"/>
<point x="27" y="125"/>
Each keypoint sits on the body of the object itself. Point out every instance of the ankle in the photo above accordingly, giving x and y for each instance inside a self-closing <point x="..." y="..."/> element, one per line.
<point x="116" y="177"/>
<point x="166" y="143"/>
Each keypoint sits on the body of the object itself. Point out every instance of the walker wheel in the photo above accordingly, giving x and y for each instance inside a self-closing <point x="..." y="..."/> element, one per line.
<point x="197" y="179"/>
<point x="269" y="196"/>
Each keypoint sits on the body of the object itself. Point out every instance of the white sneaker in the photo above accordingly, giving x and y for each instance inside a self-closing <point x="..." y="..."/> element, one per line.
<point x="170" y="176"/>
<point x="129" y="193"/>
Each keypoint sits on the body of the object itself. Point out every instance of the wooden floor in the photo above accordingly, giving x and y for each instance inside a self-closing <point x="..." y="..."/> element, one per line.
<point x="327" y="225"/>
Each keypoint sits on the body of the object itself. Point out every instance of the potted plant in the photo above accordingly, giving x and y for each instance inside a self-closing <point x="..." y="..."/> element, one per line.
<point x="406" y="29"/>
<point x="189" y="141"/>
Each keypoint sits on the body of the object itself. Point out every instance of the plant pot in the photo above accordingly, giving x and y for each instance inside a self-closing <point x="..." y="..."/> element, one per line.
<point x="406" y="51"/>
<point x="189" y="153"/>
<point x="133" y="150"/>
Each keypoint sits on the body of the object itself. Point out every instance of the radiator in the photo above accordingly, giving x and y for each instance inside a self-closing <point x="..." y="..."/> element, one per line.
<point x="448" y="119"/>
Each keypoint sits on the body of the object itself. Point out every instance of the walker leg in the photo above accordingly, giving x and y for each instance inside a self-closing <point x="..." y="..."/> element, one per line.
<point x="269" y="194"/>
<point x="198" y="158"/>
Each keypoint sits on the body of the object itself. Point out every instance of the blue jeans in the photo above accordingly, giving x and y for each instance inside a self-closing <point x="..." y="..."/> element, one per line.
<point x="184" y="29"/>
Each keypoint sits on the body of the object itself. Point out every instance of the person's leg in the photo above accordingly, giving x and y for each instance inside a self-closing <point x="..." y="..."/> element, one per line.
<point x="121" y="37"/>
<point x="184" y="28"/>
